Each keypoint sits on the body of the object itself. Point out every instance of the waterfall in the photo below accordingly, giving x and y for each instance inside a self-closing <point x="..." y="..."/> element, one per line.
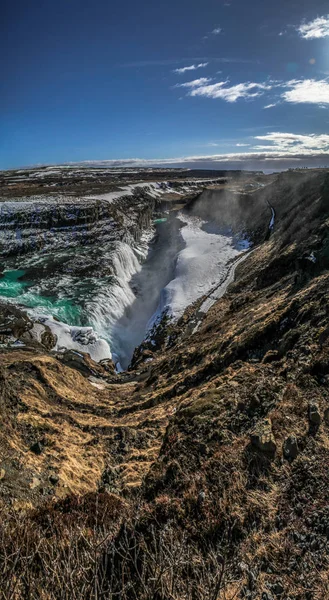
<point x="108" y="306"/>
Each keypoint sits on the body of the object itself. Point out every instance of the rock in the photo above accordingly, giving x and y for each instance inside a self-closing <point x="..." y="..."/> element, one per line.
<point x="35" y="483"/>
<point x="37" y="448"/>
<point x="271" y="356"/>
<point x="48" y="338"/>
<point x="82" y="362"/>
<point x="277" y="588"/>
<point x="2" y="474"/>
<point x="201" y="497"/>
<point x="109" y="475"/>
<point x="14" y="323"/>
<point x="108" y="365"/>
<point x="290" y="447"/>
<point x="262" y="437"/>
<point x="314" y="414"/>
<point x="53" y="478"/>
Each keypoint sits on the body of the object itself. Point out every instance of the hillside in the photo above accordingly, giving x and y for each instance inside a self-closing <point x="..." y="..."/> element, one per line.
<point x="200" y="473"/>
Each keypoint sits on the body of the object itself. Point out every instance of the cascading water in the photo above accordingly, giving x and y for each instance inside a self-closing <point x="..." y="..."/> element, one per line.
<point x="108" y="306"/>
<point x="92" y="283"/>
<point x="130" y="329"/>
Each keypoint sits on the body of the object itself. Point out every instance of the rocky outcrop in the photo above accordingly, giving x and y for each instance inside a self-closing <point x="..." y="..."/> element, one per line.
<point x="262" y="437"/>
<point x="18" y="329"/>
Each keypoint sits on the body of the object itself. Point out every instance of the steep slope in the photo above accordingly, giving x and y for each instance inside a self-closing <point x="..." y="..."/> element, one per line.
<point x="224" y="432"/>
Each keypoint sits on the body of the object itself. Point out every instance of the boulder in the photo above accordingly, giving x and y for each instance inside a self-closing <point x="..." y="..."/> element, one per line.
<point x="262" y="437"/>
<point x="82" y="362"/>
<point x="277" y="588"/>
<point x="314" y="414"/>
<point x="290" y="447"/>
<point x="53" y="478"/>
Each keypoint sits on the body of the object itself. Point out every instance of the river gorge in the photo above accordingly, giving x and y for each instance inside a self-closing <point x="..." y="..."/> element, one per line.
<point x="100" y="270"/>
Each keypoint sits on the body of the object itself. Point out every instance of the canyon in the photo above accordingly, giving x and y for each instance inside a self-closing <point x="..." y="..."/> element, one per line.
<point x="199" y="467"/>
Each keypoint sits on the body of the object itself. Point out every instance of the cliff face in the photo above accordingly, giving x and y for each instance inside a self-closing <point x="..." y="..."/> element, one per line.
<point x="66" y="222"/>
<point x="223" y="434"/>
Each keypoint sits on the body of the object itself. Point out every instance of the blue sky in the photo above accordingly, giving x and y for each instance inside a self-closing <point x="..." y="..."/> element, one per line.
<point x="218" y="83"/>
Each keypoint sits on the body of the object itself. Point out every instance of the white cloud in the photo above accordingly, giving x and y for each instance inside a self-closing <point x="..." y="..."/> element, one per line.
<point x="319" y="28"/>
<point x="276" y="151"/>
<point x="241" y="145"/>
<point x="307" y="91"/>
<point x="291" y="143"/>
<point x="195" y="83"/>
<point x="230" y="93"/>
<point x="190" y="68"/>
<point x="216" y="31"/>
<point x="297" y="91"/>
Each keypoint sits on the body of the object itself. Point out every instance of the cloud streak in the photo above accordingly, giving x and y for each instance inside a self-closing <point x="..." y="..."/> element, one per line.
<point x="274" y="150"/>
<point x="230" y="93"/>
<point x="196" y="83"/>
<point x="182" y="70"/>
<point x="215" y="31"/>
<point x="316" y="29"/>
<point x="176" y="61"/>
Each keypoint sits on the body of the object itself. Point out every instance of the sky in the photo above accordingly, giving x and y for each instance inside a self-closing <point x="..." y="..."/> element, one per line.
<point x="211" y="84"/>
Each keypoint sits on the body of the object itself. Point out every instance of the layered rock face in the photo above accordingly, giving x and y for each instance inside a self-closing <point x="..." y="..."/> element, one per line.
<point x="46" y="224"/>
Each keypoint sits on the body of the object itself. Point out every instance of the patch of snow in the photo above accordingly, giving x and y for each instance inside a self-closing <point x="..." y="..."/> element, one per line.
<point x="311" y="257"/>
<point x="272" y="221"/>
<point x="82" y="339"/>
<point x="201" y="265"/>
<point x="37" y="330"/>
<point x="153" y="188"/>
<point x="220" y="290"/>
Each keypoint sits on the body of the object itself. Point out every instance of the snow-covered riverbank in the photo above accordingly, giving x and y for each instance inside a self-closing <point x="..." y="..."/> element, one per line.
<point x="201" y="264"/>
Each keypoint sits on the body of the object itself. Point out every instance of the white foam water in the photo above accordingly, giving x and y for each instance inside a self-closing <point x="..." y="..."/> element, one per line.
<point x="108" y="306"/>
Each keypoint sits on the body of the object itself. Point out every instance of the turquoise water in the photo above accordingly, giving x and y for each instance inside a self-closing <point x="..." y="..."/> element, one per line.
<point x="62" y="308"/>
<point x="162" y="220"/>
<point x="10" y="287"/>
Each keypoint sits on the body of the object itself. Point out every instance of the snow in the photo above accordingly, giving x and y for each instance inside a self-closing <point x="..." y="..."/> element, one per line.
<point x="82" y="339"/>
<point x="220" y="290"/>
<point x="272" y="221"/>
<point x="311" y="257"/>
<point x="153" y="188"/>
<point x="201" y="265"/>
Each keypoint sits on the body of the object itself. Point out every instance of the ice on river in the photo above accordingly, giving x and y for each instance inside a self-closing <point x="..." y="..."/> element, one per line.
<point x="200" y="266"/>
